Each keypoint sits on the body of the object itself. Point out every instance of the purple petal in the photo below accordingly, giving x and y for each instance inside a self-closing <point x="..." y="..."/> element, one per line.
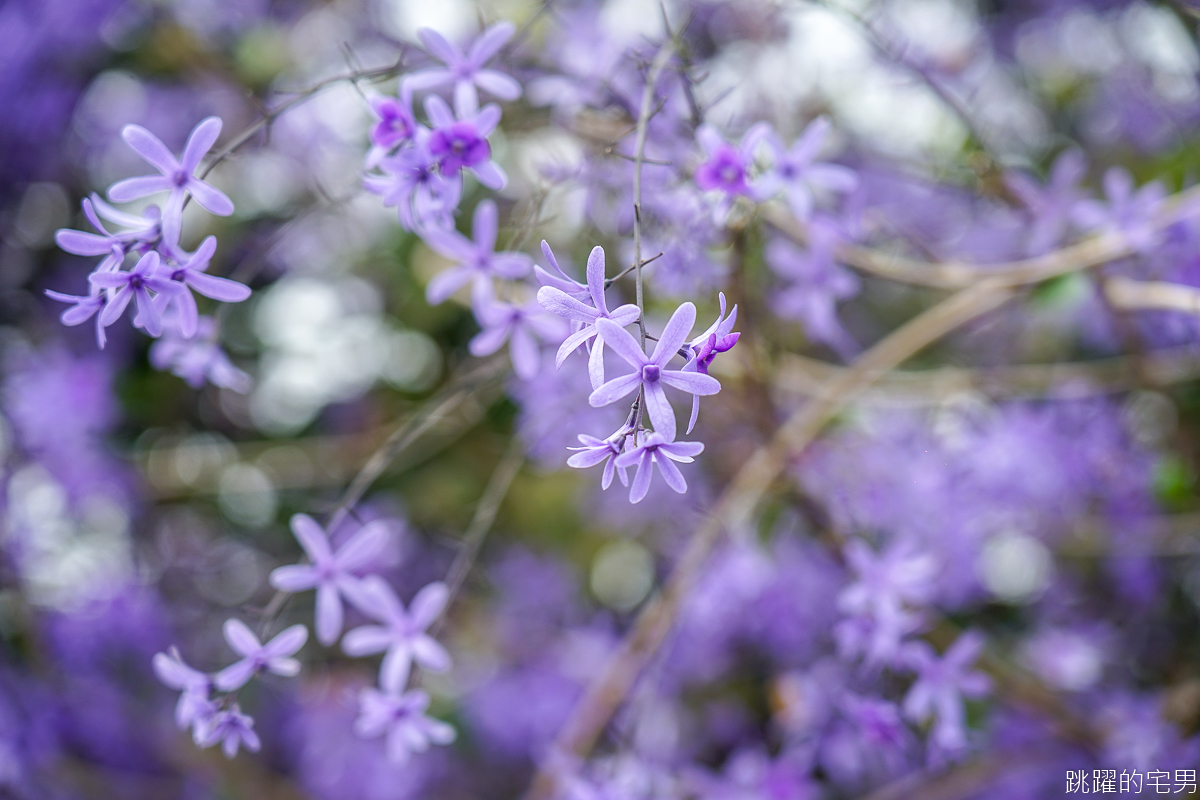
<point x="497" y="83"/>
<point x="490" y="175"/>
<point x="425" y="79"/>
<point x="596" y="364"/>
<point x="288" y="641"/>
<point x="210" y="197"/>
<point x="485" y="225"/>
<point x="681" y="451"/>
<point x="674" y="334"/>
<point x="431" y="655"/>
<point x="367" y="640"/>
<point x="693" y="382"/>
<point x="287" y="667"/>
<point x="487" y="119"/>
<point x="621" y="342"/>
<point x="294" y="578"/>
<point x="393" y="672"/>
<point x="329" y="615"/>
<point x="695" y="413"/>
<point x="189" y="315"/>
<point x="148" y="315"/>
<point x="311" y="537"/>
<point x="510" y="265"/>
<point x="375" y="598"/>
<point x="438" y="112"/>
<point x="364" y="547"/>
<point x="437" y="44"/>
<point x="446" y="283"/>
<point x="571" y="343"/>
<point x="641" y="481"/>
<point x="134" y="188"/>
<point x="235" y="676"/>
<point x="201" y="140"/>
<point x="588" y="458"/>
<point x="116" y="306"/>
<point x="151" y="148"/>
<point x="466" y="99"/>
<point x="523" y="350"/>
<point x="223" y="289"/>
<point x="561" y="304"/>
<point x="428" y="604"/>
<point x="615" y="389"/>
<point x="490" y="42"/>
<point x="81" y="243"/>
<point x="595" y="278"/>
<point x="671" y="474"/>
<point x="660" y="411"/>
<point x="489" y="340"/>
<point x="240" y="638"/>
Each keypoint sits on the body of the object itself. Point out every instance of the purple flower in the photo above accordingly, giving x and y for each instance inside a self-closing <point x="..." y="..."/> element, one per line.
<point x="192" y="273"/>
<point x="274" y="656"/>
<point x="1050" y="206"/>
<point x="462" y="143"/>
<point x="655" y="449"/>
<point x="111" y="246"/>
<point x="558" y="302"/>
<point x="411" y="181"/>
<point x="877" y="637"/>
<point x="466" y="72"/>
<point x="331" y="574"/>
<point x="650" y="372"/>
<point x="177" y="174"/>
<point x="797" y="172"/>
<point x="193" y="705"/>
<point x="519" y="325"/>
<point x="197" y="358"/>
<point x="886" y="580"/>
<point x="396" y="124"/>
<point x="401" y="717"/>
<point x="941" y="685"/>
<point x="138" y="282"/>
<point x="595" y="451"/>
<point x="232" y="729"/>
<point x="82" y="309"/>
<point x="705" y="347"/>
<point x="145" y="228"/>
<point x="1127" y="212"/>
<point x="403" y="633"/>
<point x="476" y="259"/>
<point x="726" y="168"/>
<point x="817" y="283"/>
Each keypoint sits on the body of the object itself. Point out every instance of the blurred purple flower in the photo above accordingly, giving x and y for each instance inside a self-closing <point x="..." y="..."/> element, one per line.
<point x="197" y="358"/>
<point x="466" y="72"/>
<point x="403" y="633"/>
<point x="1050" y="207"/>
<point x="797" y="173"/>
<point x="146" y="276"/>
<point x="192" y="273"/>
<point x="726" y="168"/>
<point x="942" y="683"/>
<point x="476" y="259"/>
<point x="401" y="718"/>
<point x="1127" y="212"/>
<point x="274" y="656"/>
<point x="332" y="574"/>
<point x="423" y="196"/>
<point x="519" y="325"/>
<point x="462" y="143"/>
<point x="194" y="705"/>
<point x="231" y="729"/>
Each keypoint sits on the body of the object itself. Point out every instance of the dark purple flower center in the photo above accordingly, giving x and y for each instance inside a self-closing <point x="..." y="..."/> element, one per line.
<point x="651" y="373"/>
<point x="459" y="145"/>
<point x="180" y="178"/>
<point x="135" y="281"/>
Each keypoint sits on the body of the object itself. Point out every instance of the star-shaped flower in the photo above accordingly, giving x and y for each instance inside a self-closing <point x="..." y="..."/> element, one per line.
<point x="177" y="176"/>
<point x="656" y="449"/>
<point x="466" y="72"/>
<point x="274" y="656"/>
<point x="462" y="143"/>
<point x="476" y="259"/>
<point x="402" y="633"/>
<point x="401" y="717"/>
<point x="138" y="282"/>
<point x="191" y="272"/>
<point x="596" y="451"/>
<point x="332" y="574"/>
<point x="650" y="372"/>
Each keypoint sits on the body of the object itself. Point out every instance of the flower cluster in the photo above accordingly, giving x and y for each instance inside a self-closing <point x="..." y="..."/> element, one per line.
<point x="160" y="284"/>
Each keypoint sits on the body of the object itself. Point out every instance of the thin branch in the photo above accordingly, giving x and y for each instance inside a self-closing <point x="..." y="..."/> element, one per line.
<point x="733" y="510"/>
<point x="608" y="283"/>
<point x="1131" y="295"/>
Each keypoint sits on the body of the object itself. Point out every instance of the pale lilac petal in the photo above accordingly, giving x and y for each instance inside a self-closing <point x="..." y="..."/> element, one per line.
<point x="671" y="474"/>
<point x="596" y="364"/>
<point x="609" y="470"/>
<point x="449" y="243"/>
<point x="641" y="481"/>
<point x="489" y="341"/>
<point x="367" y="640"/>
<point x="362" y="549"/>
<point x="375" y="598"/>
<point x="621" y="342"/>
<point x="561" y="304"/>
<point x="393" y="672"/>
<point x="466" y="99"/>
<point x="287" y="642"/>
<point x="189" y="315"/>
<point x="223" y="289"/>
<point x="116" y="306"/>
<point x="674" y="334"/>
<point x="210" y="197"/>
<point x="148" y="315"/>
<point x="425" y="79"/>
<point x="625" y="315"/>
<point x="311" y="537"/>
<point x="487" y="119"/>
<point x="329" y="615"/>
<point x="135" y="188"/>
<point x="695" y="413"/>
<point x="806" y="147"/>
<point x="81" y="243"/>
<point x="497" y="83"/>
<point x="287" y="667"/>
<point x="443" y="285"/>
<point x="431" y="655"/>
<point x="173" y="673"/>
<point x="510" y="265"/>
<point x="660" y="411"/>
<point x="491" y="175"/>
<point x="681" y="451"/>
<point x="693" y="382"/>
<point x="526" y="358"/>
<point x="437" y="44"/>
<point x="834" y="177"/>
<point x="428" y="604"/>
<point x="490" y="42"/>
<point x="151" y="148"/>
<point x="588" y="458"/>
<point x="595" y="278"/>
<point x="438" y="112"/>
<point x="485" y="225"/>
<point x="571" y="343"/>
<point x="615" y="389"/>
<point x="235" y="676"/>
<point x="201" y="140"/>
<point x="240" y="638"/>
<point x="294" y="578"/>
